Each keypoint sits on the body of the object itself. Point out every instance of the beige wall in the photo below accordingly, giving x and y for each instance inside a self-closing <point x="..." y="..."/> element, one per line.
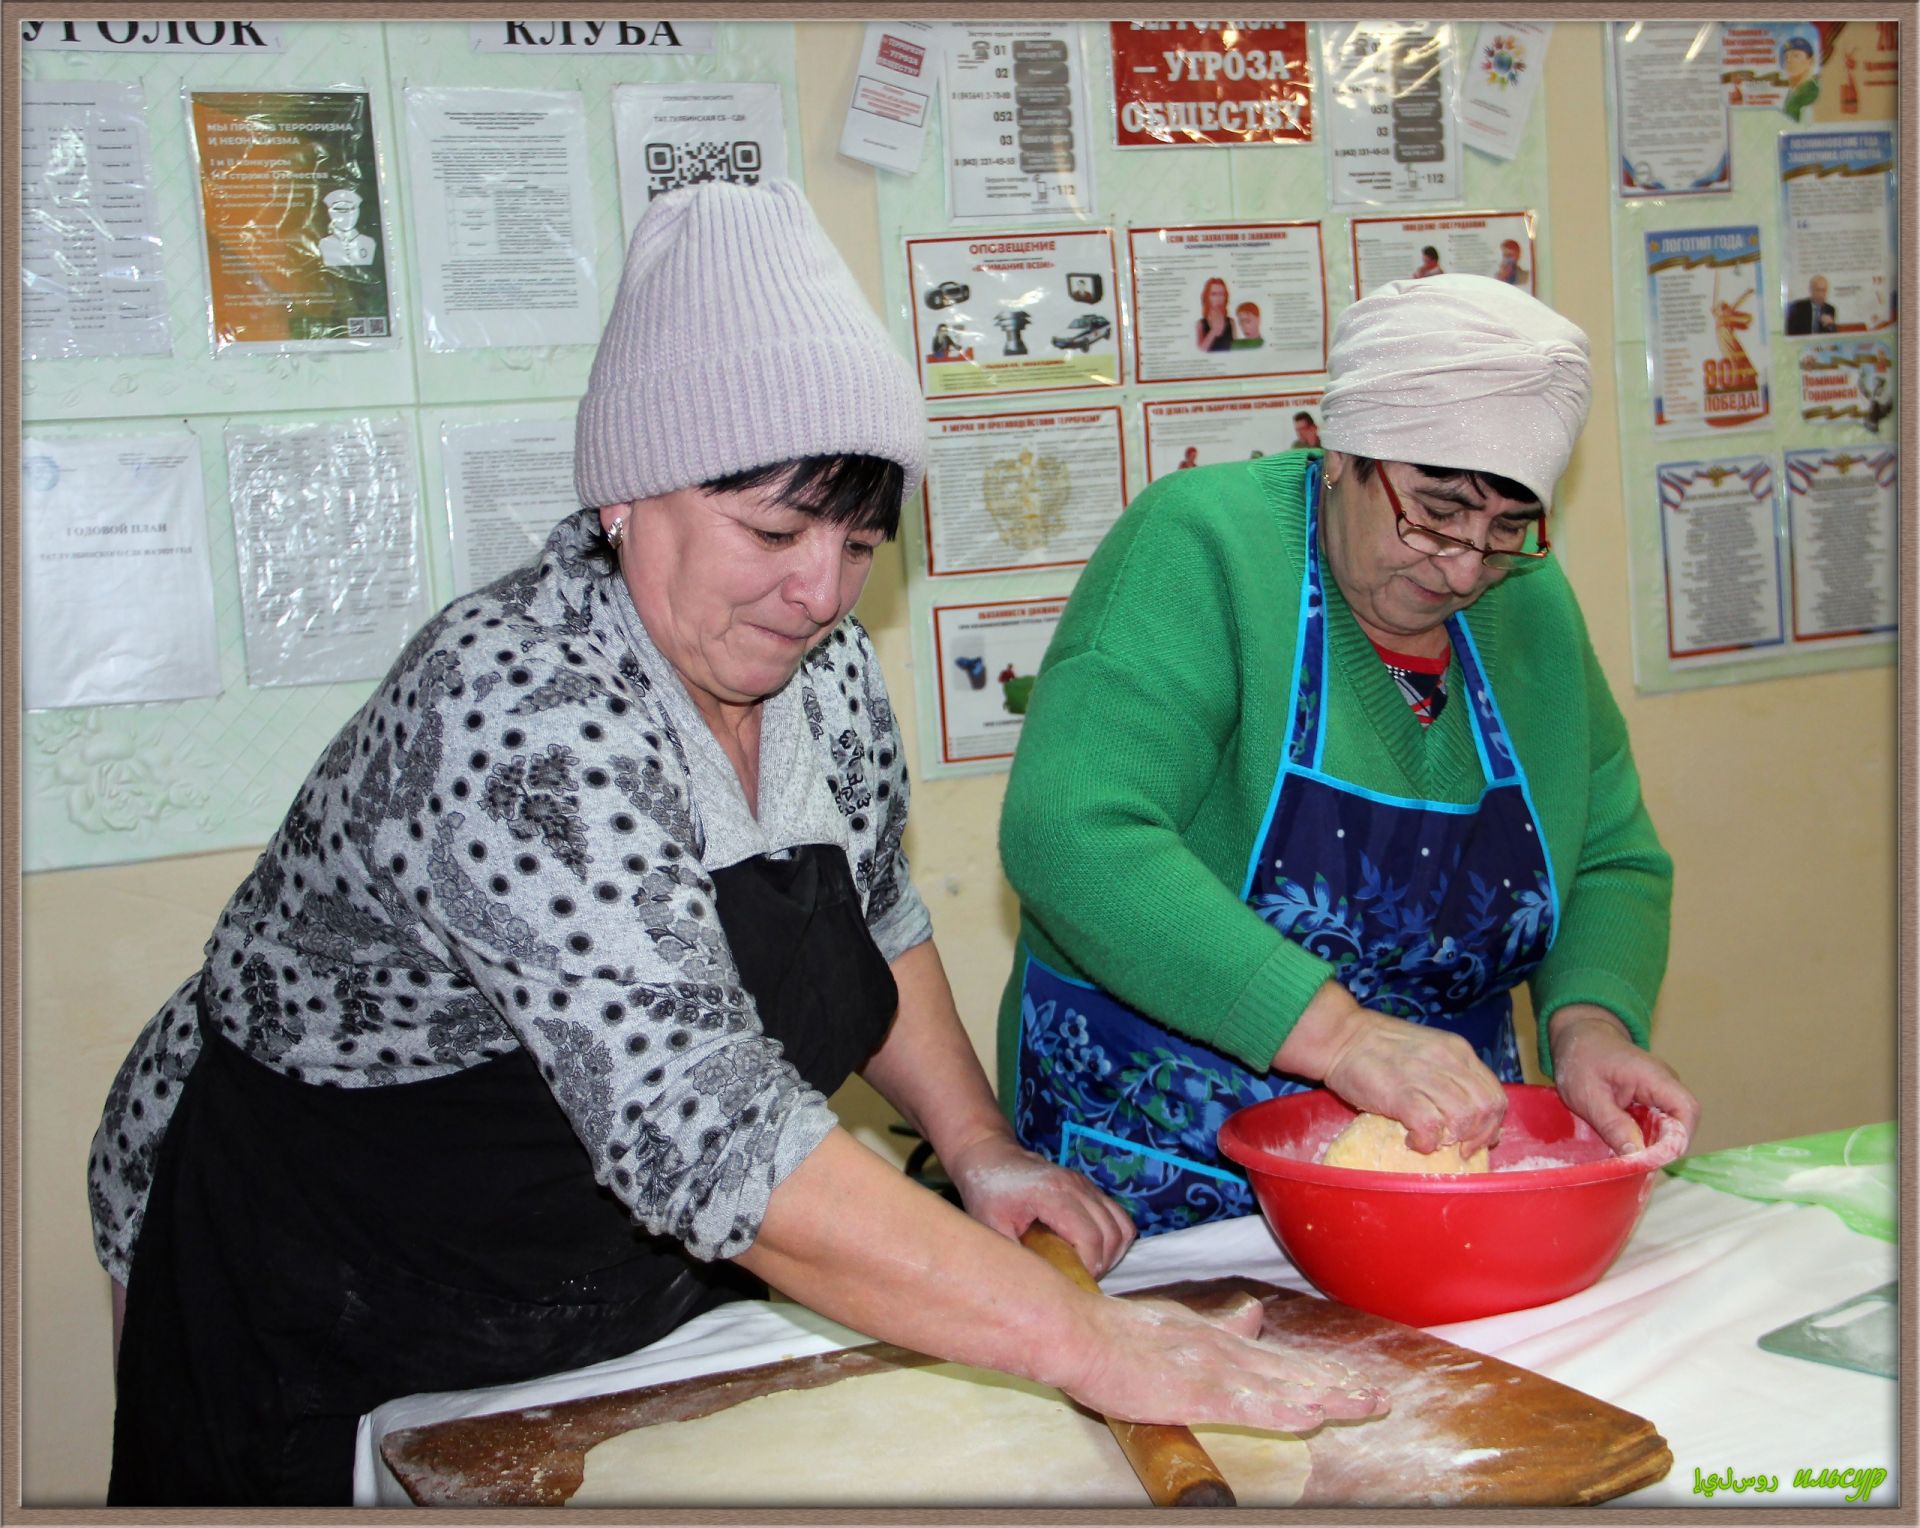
<point x="1776" y="799"/>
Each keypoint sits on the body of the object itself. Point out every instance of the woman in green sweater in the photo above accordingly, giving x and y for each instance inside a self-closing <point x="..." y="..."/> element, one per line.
<point x="1319" y="766"/>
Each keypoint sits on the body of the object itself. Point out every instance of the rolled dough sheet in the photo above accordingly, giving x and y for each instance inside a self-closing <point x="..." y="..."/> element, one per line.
<point x="945" y="1435"/>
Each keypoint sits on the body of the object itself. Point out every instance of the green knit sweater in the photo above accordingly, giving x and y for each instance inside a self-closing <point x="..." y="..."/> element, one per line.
<point x="1156" y="727"/>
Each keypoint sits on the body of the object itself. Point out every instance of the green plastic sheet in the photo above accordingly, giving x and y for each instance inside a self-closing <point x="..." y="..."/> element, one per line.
<point x="1854" y="1173"/>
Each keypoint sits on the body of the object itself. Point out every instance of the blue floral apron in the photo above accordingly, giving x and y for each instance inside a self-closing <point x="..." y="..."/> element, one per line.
<point x="1426" y="910"/>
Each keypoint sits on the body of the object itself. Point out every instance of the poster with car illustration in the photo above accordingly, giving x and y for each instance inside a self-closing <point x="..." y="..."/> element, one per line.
<point x="988" y="656"/>
<point x="1009" y="492"/>
<point x="1014" y="312"/>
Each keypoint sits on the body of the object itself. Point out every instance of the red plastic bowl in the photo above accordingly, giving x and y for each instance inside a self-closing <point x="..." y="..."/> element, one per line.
<point x="1428" y="1250"/>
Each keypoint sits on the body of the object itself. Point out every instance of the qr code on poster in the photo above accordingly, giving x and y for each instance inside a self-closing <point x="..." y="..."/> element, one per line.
<point x="672" y="165"/>
<point x="366" y="328"/>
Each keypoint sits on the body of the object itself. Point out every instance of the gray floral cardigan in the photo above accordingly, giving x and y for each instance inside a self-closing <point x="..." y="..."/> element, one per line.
<point x="509" y="845"/>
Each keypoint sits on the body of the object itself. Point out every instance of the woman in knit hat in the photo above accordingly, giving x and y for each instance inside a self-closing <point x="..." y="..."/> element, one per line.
<point x="512" y="1052"/>
<point x="1319" y="766"/>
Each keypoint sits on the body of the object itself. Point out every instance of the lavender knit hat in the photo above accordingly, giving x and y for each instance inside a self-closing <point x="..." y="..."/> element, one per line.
<point x="739" y="338"/>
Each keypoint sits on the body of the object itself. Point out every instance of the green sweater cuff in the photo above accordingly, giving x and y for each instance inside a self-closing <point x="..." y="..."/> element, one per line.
<point x="1604" y="990"/>
<point x="1269" y="1006"/>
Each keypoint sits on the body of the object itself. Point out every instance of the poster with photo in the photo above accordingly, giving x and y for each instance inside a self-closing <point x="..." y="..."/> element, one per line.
<point x="998" y="313"/>
<point x="1190" y="84"/>
<point x="1505" y="66"/>
<point x="1839" y="212"/>
<point x="1706" y="340"/>
<point x="1847" y="382"/>
<point x="1389" y="119"/>
<point x="1016" y="121"/>
<point x="1720" y="537"/>
<point x="1842" y="526"/>
<point x="290" y="214"/>
<point x="987" y="657"/>
<point x="668" y="136"/>
<point x="1496" y="244"/>
<point x="1199" y="432"/>
<point x="1670" y="114"/>
<point x="1009" y="492"/>
<point x="1228" y="300"/>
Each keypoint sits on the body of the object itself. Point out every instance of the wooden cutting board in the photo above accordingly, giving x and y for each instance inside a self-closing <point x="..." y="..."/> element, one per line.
<point x="1464" y="1429"/>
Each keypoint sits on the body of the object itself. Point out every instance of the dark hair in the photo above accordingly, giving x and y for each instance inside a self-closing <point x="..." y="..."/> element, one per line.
<point x="1303" y="414"/>
<point x="863" y="492"/>
<point x="1429" y="251"/>
<point x="1484" y="482"/>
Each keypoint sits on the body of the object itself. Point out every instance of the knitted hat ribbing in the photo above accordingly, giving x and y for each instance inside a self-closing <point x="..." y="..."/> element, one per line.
<point x="738" y="338"/>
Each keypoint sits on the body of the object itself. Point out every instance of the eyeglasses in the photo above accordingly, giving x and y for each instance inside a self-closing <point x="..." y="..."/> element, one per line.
<point x="1429" y="542"/>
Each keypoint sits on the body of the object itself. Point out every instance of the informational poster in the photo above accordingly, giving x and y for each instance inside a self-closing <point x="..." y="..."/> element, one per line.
<point x="116" y="591"/>
<point x="290" y="211"/>
<point x="508" y="484"/>
<point x="1507" y="62"/>
<point x="1188" y="84"/>
<point x="90" y="274"/>
<point x="1016" y="122"/>
<point x="326" y="525"/>
<point x="1199" y="432"/>
<point x="1706" y="342"/>
<point x="893" y="85"/>
<point x="1842" y="522"/>
<point x="1673" y="133"/>
<point x="669" y="136"/>
<point x="1008" y="492"/>
<point x="1389" y="119"/>
<point x="1814" y="72"/>
<point x="1228" y="300"/>
<point x="1720" y="533"/>
<point x="1847" y="381"/>
<point x="987" y="657"/>
<point x="1496" y="244"/>
<point x="502" y="217"/>
<point x="1839" y="211"/>
<point x="1014" y="312"/>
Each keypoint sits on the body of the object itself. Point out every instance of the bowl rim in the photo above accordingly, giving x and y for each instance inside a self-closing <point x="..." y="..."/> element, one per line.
<point x="1233" y="1145"/>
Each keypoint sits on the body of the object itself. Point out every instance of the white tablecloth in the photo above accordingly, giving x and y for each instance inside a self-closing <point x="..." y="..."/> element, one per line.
<point x="1669" y="1333"/>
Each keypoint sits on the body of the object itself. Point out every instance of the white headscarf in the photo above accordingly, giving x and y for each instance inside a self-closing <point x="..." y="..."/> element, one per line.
<point x="1458" y="371"/>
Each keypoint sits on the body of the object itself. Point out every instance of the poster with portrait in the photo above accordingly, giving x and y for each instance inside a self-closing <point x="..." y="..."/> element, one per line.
<point x="1842" y="524"/>
<point x="1813" y="72"/>
<point x="1670" y="110"/>
<point x="986" y="657"/>
<point x="1014" y="312"/>
<point x="1228" y="300"/>
<point x="1190" y="84"/>
<point x="1199" y="432"/>
<point x="1008" y="492"/>
<point x="1389" y="118"/>
<point x="1847" y="382"/>
<point x="1496" y="244"/>
<point x="1720" y="540"/>
<point x="291" y="219"/>
<point x="1706" y="338"/>
<point x="1839" y="212"/>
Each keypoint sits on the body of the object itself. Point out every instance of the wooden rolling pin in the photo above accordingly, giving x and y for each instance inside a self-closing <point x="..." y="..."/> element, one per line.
<point x="1170" y="1462"/>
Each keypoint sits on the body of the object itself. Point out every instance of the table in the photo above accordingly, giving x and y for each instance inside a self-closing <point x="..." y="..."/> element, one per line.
<point x="1669" y="1333"/>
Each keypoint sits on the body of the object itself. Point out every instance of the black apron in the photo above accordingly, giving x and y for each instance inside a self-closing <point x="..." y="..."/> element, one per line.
<point x="309" y="1253"/>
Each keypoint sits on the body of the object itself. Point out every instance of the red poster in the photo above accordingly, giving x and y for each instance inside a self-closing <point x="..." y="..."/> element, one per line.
<point x="1182" y="84"/>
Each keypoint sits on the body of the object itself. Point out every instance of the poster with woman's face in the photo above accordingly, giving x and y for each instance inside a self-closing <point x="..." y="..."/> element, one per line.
<point x="1228" y="300"/>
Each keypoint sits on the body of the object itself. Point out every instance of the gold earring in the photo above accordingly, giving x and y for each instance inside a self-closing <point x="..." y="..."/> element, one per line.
<point x="615" y="531"/>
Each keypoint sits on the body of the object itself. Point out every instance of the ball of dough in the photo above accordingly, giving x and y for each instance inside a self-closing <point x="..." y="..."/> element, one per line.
<point x="1375" y="1143"/>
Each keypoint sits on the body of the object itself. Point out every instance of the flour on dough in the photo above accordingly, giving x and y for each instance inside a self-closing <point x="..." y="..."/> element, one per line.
<point x="1375" y="1143"/>
<point x="941" y="1436"/>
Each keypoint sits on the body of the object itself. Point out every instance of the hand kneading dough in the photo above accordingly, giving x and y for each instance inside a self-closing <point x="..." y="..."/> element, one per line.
<point x="942" y="1436"/>
<point x="1375" y="1143"/>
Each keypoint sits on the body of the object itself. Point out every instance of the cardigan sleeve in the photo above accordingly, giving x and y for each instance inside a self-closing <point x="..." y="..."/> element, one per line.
<point x="1142" y="678"/>
<point x="1611" y="949"/>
